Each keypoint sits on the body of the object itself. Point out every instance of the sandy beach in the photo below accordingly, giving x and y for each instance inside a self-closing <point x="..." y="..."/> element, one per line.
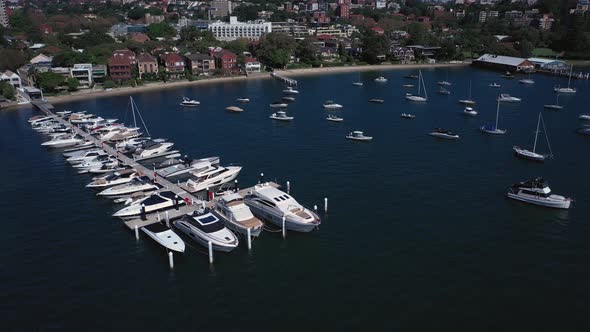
<point x="99" y="93"/>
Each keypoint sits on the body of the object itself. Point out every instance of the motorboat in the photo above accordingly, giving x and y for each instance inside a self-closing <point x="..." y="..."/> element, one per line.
<point x="211" y="176"/>
<point x="62" y="142"/>
<point x="203" y="227"/>
<point x="526" y="81"/>
<point x="444" y="83"/>
<point x="494" y="85"/>
<point x="334" y="118"/>
<point x="131" y="144"/>
<point x="85" y="155"/>
<point x="376" y="100"/>
<point x="584" y="130"/>
<point x="418" y="97"/>
<point x="234" y="109"/>
<point x="271" y="204"/>
<point x="555" y="106"/>
<point x="63" y="114"/>
<point x="106" y="168"/>
<point x="290" y="90"/>
<point x="96" y="162"/>
<point x="77" y="153"/>
<point x="236" y="215"/>
<point x="506" y="98"/>
<point x="358" y="135"/>
<point x="189" y="102"/>
<point x="408" y="116"/>
<point x="569" y="89"/>
<point x="243" y="100"/>
<point x="444" y="91"/>
<point x="469" y="111"/>
<point x="380" y="79"/>
<point x="584" y="116"/>
<point x="164" y="236"/>
<point x="113" y="179"/>
<point x="278" y="104"/>
<point x="468" y="101"/>
<point x="407" y="85"/>
<point x="412" y="76"/>
<point x="493" y="129"/>
<point x="118" y="133"/>
<point x="537" y="192"/>
<point x="442" y="133"/>
<point x="533" y="155"/>
<point x="281" y="116"/>
<point x="85" y="145"/>
<point x="142" y="183"/>
<point x="508" y="75"/>
<point x="152" y="148"/>
<point x="157" y="201"/>
<point x="330" y="105"/>
<point x="288" y="98"/>
<point x="187" y="166"/>
<point x="39" y="118"/>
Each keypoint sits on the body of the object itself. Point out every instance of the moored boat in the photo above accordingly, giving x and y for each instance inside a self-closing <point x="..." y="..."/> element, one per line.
<point x="358" y="135"/>
<point x="203" y="228"/>
<point x="537" y="192"/>
<point x="236" y="215"/>
<point x="164" y="236"/>
<point x="443" y="133"/>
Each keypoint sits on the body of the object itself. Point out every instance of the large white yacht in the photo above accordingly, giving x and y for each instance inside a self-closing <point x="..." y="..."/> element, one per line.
<point x="211" y="176"/>
<point x="187" y="166"/>
<point x="157" y="201"/>
<point x="189" y="102"/>
<point x="153" y="148"/>
<point x="164" y="236"/>
<point x="96" y="162"/>
<point x="537" y="192"/>
<point x="85" y="156"/>
<point x="137" y="184"/>
<point x="236" y="215"/>
<point x="331" y="105"/>
<point x="506" y="98"/>
<point x="62" y="142"/>
<point x="271" y="204"/>
<point x="113" y="179"/>
<point x="204" y="227"/>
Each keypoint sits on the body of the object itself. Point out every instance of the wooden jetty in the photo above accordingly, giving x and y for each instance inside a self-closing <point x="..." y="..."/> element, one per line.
<point x="287" y="80"/>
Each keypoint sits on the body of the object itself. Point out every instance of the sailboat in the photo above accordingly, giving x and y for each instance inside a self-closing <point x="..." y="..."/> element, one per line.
<point x="418" y="97"/>
<point x="555" y="106"/>
<point x="446" y="82"/>
<point x="526" y="80"/>
<point x="494" y="129"/>
<point x="358" y="82"/>
<point x="533" y="155"/>
<point x="468" y="101"/>
<point x="568" y="89"/>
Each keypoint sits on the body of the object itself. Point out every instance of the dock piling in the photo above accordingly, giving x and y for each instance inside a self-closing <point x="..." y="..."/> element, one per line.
<point x="210" y="245"/>
<point x="261" y="180"/>
<point x="288" y="187"/>
<point x="249" y="238"/>
<point x="315" y="208"/>
<point x="171" y="260"/>
<point x="167" y="219"/>
<point x="325" y="204"/>
<point x="136" y="233"/>
<point x="284" y="228"/>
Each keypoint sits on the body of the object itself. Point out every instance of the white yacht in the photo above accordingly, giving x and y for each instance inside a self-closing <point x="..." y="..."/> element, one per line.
<point x="196" y="165"/>
<point x="290" y="90"/>
<point x="62" y="142"/>
<point x="494" y="85"/>
<point x="444" y="83"/>
<point x="442" y="133"/>
<point x="39" y="118"/>
<point x="234" y="109"/>
<point x="85" y="156"/>
<point x="408" y="116"/>
<point x="153" y="148"/>
<point x="537" y="192"/>
<point x="120" y="134"/>
<point x="164" y="236"/>
<point x="504" y="97"/>
<point x="131" y="144"/>
<point x="278" y="104"/>
<point x="157" y="201"/>
<point x="493" y="129"/>
<point x="444" y="91"/>
<point x="281" y="116"/>
<point x="271" y="204"/>
<point x="96" y="162"/>
<point x="113" y="179"/>
<point x="526" y="81"/>
<point x="287" y="98"/>
<point x="533" y="155"/>
<point x="418" y="97"/>
<point x="243" y="100"/>
<point x="334" y="118"/>
<point x="189" y="102"/>
<point x="236" y="215"/>
<point x="204" y="227"/>
<point x="584" y="117"/>
<point x="380" y="79"/>
<point x="469" y="111"/>
<point x="330" y="105"/>
<point x="376" y="100"/>
<point x="210" y="177"/>
<point x="358" y="135"/>
<point x="568" y="90"/>
<point x="137" y="184"/>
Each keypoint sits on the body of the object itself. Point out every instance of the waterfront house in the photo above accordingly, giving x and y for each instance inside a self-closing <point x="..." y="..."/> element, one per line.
<point x="99" y="72"/>
<point x="174" y="64"/>
<point x="121" y="65"/>
<point x="403" y="54"/>
<point x="42" y="60"/>
<point x="147" y="64"/>
<point x="12" y="79"/>
<point x="501" y="62"/>
<point x="226" y="61"/>
<point x="83" y="73"/>
<point x="200" y="64"/>
<point x="252" y="65"/>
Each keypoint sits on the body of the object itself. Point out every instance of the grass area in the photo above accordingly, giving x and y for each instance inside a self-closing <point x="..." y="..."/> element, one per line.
<point x="544" y="52"/>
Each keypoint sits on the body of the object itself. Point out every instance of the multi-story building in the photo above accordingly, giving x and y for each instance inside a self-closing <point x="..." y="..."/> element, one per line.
<point x="147" y="64"/>
<point x="3" y="16"/>
<point x="174" y="64"/>
<point x="121" y="65"/>
<point x="252" y="65"/>
<point x="201" y="64"/>
<point x="83" y="73"/>
<point x="152" y="19"/>
<point x="99" y="73"/>
<point x="225" y="60"/>
<point x="403" y="54"/>
<point x="486" y="15"/>
<point x="343" y="10"/>
<point x="235" y="30"/>
<point x="220" y="8"/>
<point x="292" y="29"/>
<point x="546" y="22"/>
<point x="12" y="79"/>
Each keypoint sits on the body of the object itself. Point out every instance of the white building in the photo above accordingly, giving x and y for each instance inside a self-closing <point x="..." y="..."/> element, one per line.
<point x="83" y="73"/>
<point x="235" y="30"/>
<point x="12" y="78"/>
<point x="252" y="66"/>
<point x="3" y="16"/>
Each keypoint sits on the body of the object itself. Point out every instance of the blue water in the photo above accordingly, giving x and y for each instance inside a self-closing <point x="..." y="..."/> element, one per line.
<point x="419" y="233"/>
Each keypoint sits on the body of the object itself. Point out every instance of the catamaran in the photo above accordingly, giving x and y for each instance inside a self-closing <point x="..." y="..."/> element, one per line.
<point x="568" y="89"/>
<point x="494" y="129"/>
<point x="533" y="155"/>
<point x="418" y="97"/>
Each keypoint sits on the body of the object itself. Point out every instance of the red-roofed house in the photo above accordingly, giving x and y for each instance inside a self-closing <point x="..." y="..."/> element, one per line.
<point x="121" y="65"/>
<point x="252" y="65"/>
<point x="139" y="37"/>
<point x="174" y="64"/>
<point x="226" y="61"/>
<point x="378" y="30"/>
<point x="147" y="64"/>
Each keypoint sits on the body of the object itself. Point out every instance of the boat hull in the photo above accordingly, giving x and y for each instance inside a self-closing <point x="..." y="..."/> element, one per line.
<point x="275" y="218"/>
<point x="554" y="204"/>
<point x="167" y="239"/>
<point x="529" y="155"/>
<point x="201" y="238"/>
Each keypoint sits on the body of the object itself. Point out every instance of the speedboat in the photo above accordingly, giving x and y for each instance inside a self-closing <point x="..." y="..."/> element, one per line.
<point x="119" y="133"/>
<point x="278" y="104"/>
<point x="442" y="133"/>
<point x="39" y="118"/>
<point x="157" y="201"/>
<point x="508" y="75"/>
<point x="113" y="179"/>
<point x="153" y="148"/>
<point x="236" y="215"/>
<point x="376" y="100"/>
<point x="290" y="90"/>
<point x="85" y="156"/>
<point x="567" y="90"/>
<point x="357" y="83"/>
<point x="330" y="105"/>
<point x="211" y="176"/>
<point x="585" y="117"/>
<point x="63" y="114"/>
<point x="380" y="79"/>
<point x="281" y="116"/>
<point x="288" y="98"/>
<point x="526" y="81"/>
<point x="358" y="135"/>
<point x="585" y="130"/>
<point x="243" y="100"/>
<point x="142" y="183"/>
<point x="234" y="109"/>
<point x="204" y="227"/>
<point x="445" y="83"/>
<point x="271" y="204"/>
<point x="106" y="168"/>
<point x="85" y="145"/>
<point x="504" y="97"/>
<point x="77" y="153"/>
<point x="184" y="167"/>
<point x="537" y="192"/>
<point x="494" y="85"/>
<point x="189" y="102"/>
<point x="469" y="111"/>
<point x="131" y="144"/>
<point x="467" y="102"/>
<point x="334" y="118"/>
<point x="164" y="236"/>
<point x="97" y="162"/>
<point x="408" y="116"/>
<point x="62" y="142"/>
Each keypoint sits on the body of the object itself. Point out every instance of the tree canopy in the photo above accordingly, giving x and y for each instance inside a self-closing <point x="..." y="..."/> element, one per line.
<point x="276" y="49"/>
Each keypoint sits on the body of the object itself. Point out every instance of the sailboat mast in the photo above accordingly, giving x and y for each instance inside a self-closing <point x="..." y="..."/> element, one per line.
<point x="497" y="112"/>
<point x="424" y="86"/>
<point x="419" y="81"/>
<point x="469" y="90"/>
<point x="570" y="78"/>
<point x="546" y="136"/>
<point x="537" y="133"/>
<point x="133" y="111"/>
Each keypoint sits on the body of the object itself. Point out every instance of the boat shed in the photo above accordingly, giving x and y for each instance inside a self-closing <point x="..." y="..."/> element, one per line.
<point x="549" y="64"/>
<point x="501" y="62"/>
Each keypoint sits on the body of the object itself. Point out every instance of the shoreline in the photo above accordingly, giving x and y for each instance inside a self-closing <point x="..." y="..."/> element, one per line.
<point x="92" y="94"/>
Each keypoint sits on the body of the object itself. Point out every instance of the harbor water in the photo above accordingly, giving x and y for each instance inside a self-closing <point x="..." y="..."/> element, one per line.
<point x="419" y="233"/>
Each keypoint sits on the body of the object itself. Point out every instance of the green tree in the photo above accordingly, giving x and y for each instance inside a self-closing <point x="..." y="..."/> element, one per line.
<point x="49" y="81"/>
<point x="7" y="90"/>
<point x="136" y="13"/>
<point x="418" y="33"/>
<point x="73" y="84"/>
<point x="11" y="59"/>
<point x="275" y="49"/>
<point x="306" y="51"/>
<point x="246" y="12"/>
<point x="237" y="46"/>
<point x="162" y="29"/>
<point x="374" y="45"/>
<point x="108" y="84"/>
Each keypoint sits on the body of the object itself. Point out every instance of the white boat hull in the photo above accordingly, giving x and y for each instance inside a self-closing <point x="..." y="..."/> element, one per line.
<point x="558" y="202"/>
<point x="165" y="237"/>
